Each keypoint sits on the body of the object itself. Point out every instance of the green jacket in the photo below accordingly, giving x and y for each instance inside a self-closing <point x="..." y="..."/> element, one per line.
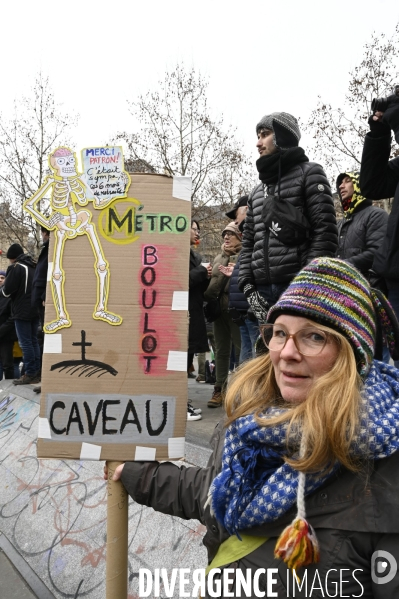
<point x="218" y="279"/>
<point x="354" y="515"/>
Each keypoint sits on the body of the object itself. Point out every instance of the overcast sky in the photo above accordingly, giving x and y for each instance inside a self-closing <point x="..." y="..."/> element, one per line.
<point x="260" y="56"/>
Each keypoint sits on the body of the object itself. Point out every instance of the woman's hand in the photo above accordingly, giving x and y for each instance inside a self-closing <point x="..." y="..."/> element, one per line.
<point x="227" y="270"/>
<point x="117" y="473"/>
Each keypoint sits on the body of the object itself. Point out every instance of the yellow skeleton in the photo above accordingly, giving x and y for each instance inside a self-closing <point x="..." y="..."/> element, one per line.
<point x="68" y="221"/>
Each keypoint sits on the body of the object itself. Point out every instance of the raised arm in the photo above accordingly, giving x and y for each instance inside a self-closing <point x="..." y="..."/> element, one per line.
<point x="379" y="176"/>
<point x="30" y="204"/>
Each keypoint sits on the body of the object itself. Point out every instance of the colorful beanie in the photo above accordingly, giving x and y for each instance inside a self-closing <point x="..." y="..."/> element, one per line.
<point x="334" y="293"/>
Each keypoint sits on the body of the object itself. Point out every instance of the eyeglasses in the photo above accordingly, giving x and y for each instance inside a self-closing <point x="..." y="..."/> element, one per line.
<point x="309" y="341"/>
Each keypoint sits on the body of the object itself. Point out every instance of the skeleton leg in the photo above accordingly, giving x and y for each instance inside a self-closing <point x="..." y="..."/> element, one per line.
<point x="101" y="312"/>
<point x="57" y="283"/>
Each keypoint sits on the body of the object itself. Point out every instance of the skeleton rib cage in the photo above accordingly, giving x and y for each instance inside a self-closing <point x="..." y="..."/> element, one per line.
<point x="62" y="191"/>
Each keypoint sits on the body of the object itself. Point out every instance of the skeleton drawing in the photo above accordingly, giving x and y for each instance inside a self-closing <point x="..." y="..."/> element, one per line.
<point x="68" y="220"/>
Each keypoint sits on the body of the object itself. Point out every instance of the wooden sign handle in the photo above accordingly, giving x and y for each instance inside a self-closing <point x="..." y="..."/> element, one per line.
<point x="117" y="537"/>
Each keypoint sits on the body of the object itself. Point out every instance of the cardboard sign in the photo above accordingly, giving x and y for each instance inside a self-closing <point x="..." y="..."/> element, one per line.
<point x="114" y="377"/>
<point x="104" y="174"/>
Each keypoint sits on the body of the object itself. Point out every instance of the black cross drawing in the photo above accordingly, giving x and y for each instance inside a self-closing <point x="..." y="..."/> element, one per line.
<point x="84" y="366"/>
<point x="83" y="343"/>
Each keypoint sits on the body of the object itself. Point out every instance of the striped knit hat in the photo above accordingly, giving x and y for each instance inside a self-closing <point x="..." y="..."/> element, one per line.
<point x="334" y="293"/>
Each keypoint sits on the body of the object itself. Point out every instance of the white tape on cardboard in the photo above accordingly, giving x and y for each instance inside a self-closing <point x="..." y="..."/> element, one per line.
<point x="44" y="429"/>
<point x="145" y="453"/>
<point x="177" y="360"/>
<point x="180" y="300"/>
<point x="90" y="451"/>
<point x="49" y="271"/>
<point x="182" y="188"/>
<point x="176" y="447"/>
<point x="52" y="344"/>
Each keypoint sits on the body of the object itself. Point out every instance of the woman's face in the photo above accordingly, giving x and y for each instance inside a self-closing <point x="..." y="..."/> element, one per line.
<point x="295" y="373"/>
<point x="229" y="239"/>
<point x="194" y="234"/>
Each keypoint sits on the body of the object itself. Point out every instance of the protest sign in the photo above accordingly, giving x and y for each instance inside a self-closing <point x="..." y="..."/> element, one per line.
<point x="114" y="377"/>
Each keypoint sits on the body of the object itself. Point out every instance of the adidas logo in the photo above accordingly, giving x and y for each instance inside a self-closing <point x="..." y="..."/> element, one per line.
<point x="274" y="229"/>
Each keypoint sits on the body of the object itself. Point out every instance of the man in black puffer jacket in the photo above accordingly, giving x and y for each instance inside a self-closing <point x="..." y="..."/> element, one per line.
<point x="362" y="230"/>
<point x="18" y="286"/>
<point x="291" y="217"/>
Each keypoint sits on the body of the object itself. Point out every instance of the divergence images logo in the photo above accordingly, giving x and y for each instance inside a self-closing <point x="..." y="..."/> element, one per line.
<point x="383" y="567"/>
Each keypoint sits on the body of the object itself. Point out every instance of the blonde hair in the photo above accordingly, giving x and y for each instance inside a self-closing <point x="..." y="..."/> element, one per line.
<point x="329" y="418"/>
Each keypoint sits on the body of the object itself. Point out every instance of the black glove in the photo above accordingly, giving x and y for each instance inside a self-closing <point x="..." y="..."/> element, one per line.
<point x="258" y="304"/>
<point x="378" y="128"/>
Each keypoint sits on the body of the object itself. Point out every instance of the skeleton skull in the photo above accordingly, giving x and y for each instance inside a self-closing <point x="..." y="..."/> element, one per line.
<point x="63" y="162"/>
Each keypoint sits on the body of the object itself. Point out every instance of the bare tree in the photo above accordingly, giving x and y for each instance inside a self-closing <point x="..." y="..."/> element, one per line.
<point x="178" y="136"/>
<point x="37" y="127"/>
<point x="339" y="132"/>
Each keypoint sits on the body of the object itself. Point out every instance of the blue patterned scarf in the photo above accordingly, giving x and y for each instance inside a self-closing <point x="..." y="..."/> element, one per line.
<point x="256" y="486"/>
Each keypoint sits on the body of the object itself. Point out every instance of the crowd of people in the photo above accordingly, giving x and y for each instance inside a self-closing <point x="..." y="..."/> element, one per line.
<point x="285" y="222"/>
<point x="22" y="299"/>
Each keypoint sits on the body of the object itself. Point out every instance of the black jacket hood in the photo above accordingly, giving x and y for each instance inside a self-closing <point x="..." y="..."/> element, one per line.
<point x="26" y="259"/>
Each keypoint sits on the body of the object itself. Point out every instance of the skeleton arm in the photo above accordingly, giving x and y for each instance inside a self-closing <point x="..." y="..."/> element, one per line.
<point x="30" y="204"/>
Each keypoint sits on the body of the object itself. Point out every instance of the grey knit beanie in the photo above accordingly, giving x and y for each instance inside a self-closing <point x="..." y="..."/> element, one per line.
<point x="285" y="129"/>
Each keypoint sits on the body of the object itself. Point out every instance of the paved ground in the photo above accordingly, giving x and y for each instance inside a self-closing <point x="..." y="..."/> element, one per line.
<point x="12" y="584"/>
<point x="53" y="512"/>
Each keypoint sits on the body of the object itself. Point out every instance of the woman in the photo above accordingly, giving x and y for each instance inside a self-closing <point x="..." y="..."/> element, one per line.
<point x="225" y="330"/>
<point x="305" y="471"/>
<point x="198" y="280"/>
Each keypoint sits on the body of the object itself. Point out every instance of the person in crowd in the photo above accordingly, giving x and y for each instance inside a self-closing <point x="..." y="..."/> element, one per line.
<point x="379" y="179"/>
<point x="17" y="355"/>
<point x="7" y="334"/>
<point x="308" y="453"/>
<point x="239" y="308"/>
<point x="239" y="211"/>
<point x="201" y="378"/>
<point x="360" y="235"/>
<point x="39" y="284"/>
<point x="290" y="218"/>
<point x="199" y="276"/>
<point x="225" y="330"/>
<point x="18" y="287"/>
<point x="362" y="230"/>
